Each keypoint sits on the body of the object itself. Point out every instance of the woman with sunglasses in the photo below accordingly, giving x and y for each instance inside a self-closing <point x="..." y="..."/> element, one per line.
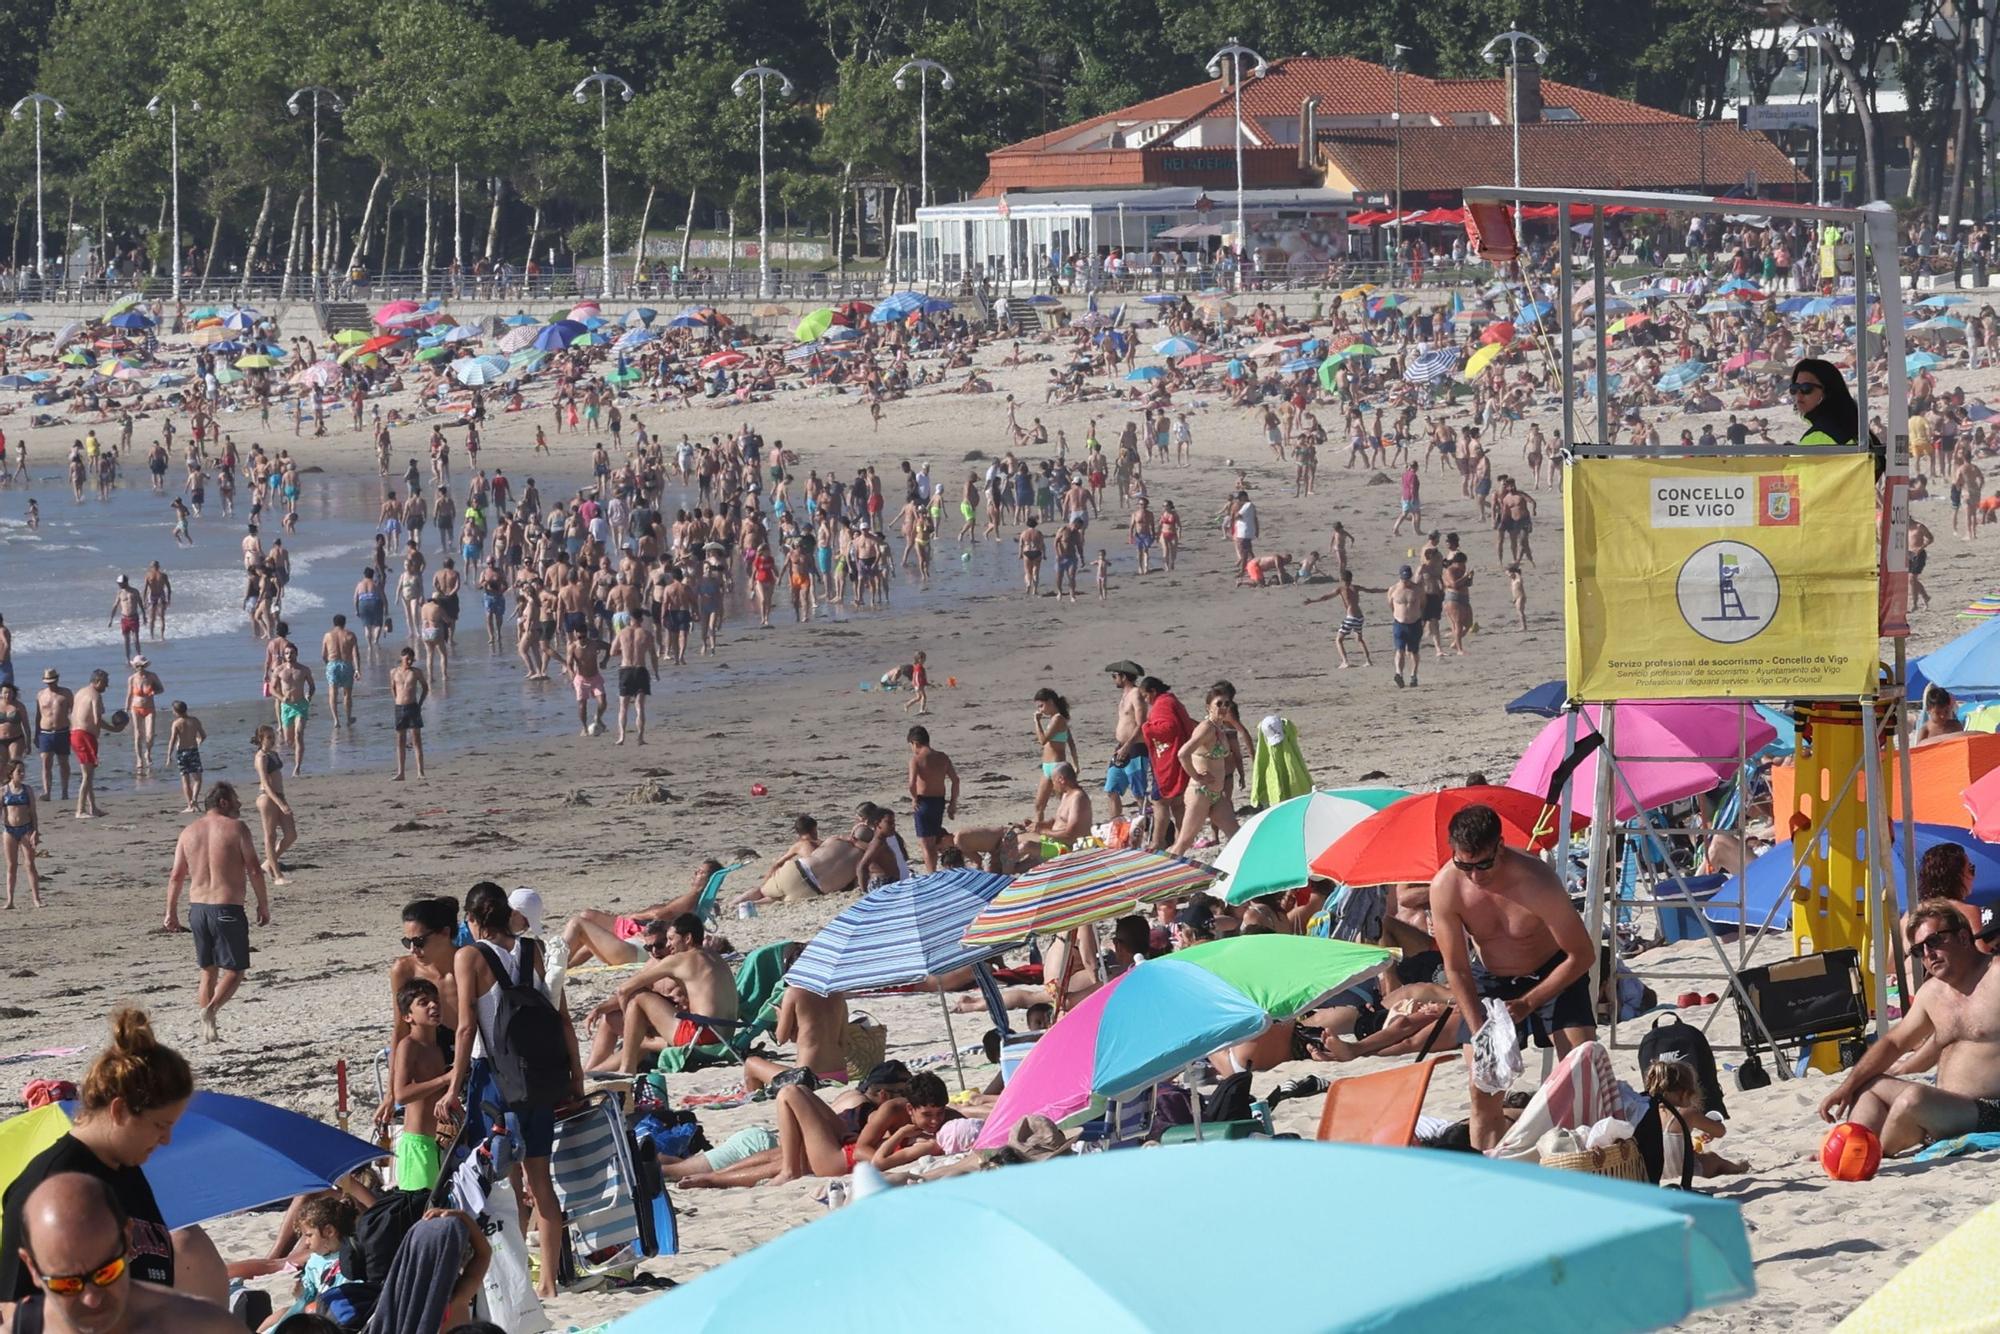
<point x="1820" y="395"/>
<point x="429" y="944"/>
<point x="135" y="1091"/>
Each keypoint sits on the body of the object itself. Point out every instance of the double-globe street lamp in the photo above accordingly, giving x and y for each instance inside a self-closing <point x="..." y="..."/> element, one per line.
<point x="762" y="74"/>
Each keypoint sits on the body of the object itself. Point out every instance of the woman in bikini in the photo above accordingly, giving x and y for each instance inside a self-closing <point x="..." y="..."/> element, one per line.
<point x="13" y="725"/>
<point x="1052" y="731"/>
<point x="17" y="830"/>
<point x="1457" y="601"/>
<point x="1170" y="534"/>
<point x="140" y="689"/>
<point x="281" y="828"/>
<point x="1206" y="759"/>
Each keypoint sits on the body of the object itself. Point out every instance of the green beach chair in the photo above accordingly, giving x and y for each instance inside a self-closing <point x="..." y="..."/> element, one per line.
<point x="759" y="986"/>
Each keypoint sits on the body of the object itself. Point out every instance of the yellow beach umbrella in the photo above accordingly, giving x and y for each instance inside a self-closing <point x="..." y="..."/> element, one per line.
<point x="1482" y="358"/>
<point x="1952" y="1288"/>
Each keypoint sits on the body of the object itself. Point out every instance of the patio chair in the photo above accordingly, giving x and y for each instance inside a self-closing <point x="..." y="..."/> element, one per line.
<point x="1379" y="1108"/>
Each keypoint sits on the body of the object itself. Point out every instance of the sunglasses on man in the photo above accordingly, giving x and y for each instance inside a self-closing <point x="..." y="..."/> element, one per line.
<point x="1934" y="943"/>
<point x="68" y="1285"/>
<point x="1474" y="868"/>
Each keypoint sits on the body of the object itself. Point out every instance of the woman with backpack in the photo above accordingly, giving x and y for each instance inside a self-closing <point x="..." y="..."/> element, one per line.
<point x="516" y="1048"/>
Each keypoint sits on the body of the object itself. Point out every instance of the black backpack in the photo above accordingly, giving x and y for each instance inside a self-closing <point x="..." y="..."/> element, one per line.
<point x="1678" y="1041"/>
<point x="529" y="1044"/>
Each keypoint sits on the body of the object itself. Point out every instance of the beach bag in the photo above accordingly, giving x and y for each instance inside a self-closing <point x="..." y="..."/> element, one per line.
<point x="528" y="1047"/>
<point x="378" y="1232"/>
<point x="1620" y="1160"/>
<point x="865" y="1044"/>
<point x="1671" y="1039"/>
<point x="507" y="1292"/>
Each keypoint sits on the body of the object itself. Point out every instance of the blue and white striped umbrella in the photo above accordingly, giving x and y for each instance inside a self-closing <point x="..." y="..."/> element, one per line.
<point x="1436" y="364"/>
<point x="1177" y="346"/>
<point x="899" y="933"/>
<point x="478" y="370"/>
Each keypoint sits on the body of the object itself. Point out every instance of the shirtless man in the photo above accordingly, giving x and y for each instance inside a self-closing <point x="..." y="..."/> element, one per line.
<point x="1918" y="544"/>
<point x="293" y="686"/>
<point x="933" y="790"/>
<point x="1954" y="1019"/>
<point x="159" y="596"/>
<point x="1514" y="522"/>
<point x="253" y="546"/>
<point x="125" y="615"/>
<point x="1130" y="772"/>
<point x="1968" y="482"/>
<point x="997" y="848"/>
<point x="71" y="1223"/>
<point x="341" y="652"/>
<point x="212" y="859"/>
<point x="1144" y="531"/>
<point x="53" y="707"/>
<point x="817" y="1026"/>
<point x="434" y="628"/>
<point x="86" y="724"/>
<point x="638" y="658"/>
<point x="614" y="938"/>
<point x="1351" y="619"/>
<point x="1406" y="613"/>
<point x="833" y="865"/>
<point x="584" y="663"/>
<point x="638" y="1010"/>
<point x="1534" y="951"/>
<point x="408" y="688"/>
<point x="677" y="610"/>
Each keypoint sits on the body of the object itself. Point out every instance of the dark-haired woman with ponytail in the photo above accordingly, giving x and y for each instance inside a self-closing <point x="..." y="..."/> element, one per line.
<point x="1052" y="731"/>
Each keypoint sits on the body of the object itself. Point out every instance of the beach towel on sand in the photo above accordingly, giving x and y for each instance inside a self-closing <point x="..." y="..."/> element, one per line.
<point x="1278" y="771"/>
<point x="1581" y="1091"/>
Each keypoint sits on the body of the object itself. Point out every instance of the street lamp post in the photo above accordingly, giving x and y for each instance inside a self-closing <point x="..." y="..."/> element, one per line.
<point x="1819" y="35"/>
<point x="1513" y="39"/>
<point x="1233" y="54"/>
<point x="945" y="81"/>
<point x="581" y="93"/>
<point x="1396" y="53"/>
<point x="37" y="101"/>
<point x="332" y="99"/>
<point x="762" y="74"/>
<point x="174" y="168"/>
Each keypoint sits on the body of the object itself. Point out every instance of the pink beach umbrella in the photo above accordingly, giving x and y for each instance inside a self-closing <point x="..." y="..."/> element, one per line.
<point x="389" y="310"/>
<point x="1687" y="745"/>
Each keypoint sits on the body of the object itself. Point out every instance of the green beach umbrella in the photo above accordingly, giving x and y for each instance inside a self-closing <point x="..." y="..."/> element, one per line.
<point x="228" y="375"/>
<point x="626" y="376"/>
<point x="1272" y="850"/>
<point x="814" y="324"/>
<point x="74" y="359"/>
<point x="254" y="361"/>
<point x="428" y="354"/>
<point x="351" y="337"/>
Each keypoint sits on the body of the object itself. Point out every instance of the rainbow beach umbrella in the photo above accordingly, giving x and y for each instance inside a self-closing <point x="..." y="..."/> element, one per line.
<point x="227" y="1154"/>
<point x="1270" y="853"/>
<point x="1082" y="887"/>
<point x="1151" y="1021"/>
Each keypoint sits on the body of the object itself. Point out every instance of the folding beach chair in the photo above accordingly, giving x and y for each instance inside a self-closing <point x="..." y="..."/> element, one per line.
<point x="1119" y="1124"/>
<point x="707" y="907"/>
<point x="1378" y="1108"/>
<point x="616" y="1211"/>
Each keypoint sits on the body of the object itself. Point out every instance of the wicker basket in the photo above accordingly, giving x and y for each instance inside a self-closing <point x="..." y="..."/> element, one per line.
<point x="866" y="1043"/>
<point x="1621" y="1162"/>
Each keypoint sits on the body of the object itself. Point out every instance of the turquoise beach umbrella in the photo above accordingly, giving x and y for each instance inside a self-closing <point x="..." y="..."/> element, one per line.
<point x="1554" y="1250"/>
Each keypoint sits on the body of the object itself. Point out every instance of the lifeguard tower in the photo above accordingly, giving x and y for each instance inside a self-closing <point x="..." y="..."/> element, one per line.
<point x="1768" y="573"/>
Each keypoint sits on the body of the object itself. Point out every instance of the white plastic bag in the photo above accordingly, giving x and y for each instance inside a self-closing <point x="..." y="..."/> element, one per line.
<point x="507" y="1294"/>
<point x="1606" y="1133"/>
<point x="1496" y="1050"/>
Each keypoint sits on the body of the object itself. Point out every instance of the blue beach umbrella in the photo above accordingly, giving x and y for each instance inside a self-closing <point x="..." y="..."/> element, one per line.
<point x="555" y="337"/>
<point x="227" y="1154"/>
<point x="1792" y="305"/>
<point x="479" y="370"/>
<point x="519" y="319"/>
<point x="1681" y="376"/>
<point x="1534" y="312"/>
<point x="130" y="319"/>
<point x="1556" y="1250"/>
<point x="1544" y="701"/>
<point x="640" y="315"/>
<point x="1146" y="373"/>
<point x="1820" y="305"/>
<point x="1299" y="364"/>
<point x="1766" y="884"/>
<point x="1159" y="299"/>
<point x="1944" y="299"/>
<point x="899" y="933"/>
<point x="1918" y="361"/>
<point x="1177" y="347"/>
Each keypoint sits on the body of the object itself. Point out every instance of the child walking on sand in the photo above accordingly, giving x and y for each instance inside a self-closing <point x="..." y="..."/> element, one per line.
<point x="1103" y="575"/>
<point x="920" y="682"/>
<point x="421" y="1075"/>
<point x="1517" y="585"/>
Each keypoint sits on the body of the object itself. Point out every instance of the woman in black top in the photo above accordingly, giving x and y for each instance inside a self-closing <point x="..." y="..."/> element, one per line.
<point x="134" y="1093"/>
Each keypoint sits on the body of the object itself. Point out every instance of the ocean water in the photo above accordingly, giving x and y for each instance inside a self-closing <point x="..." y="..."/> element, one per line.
<point x="57" y="584"/>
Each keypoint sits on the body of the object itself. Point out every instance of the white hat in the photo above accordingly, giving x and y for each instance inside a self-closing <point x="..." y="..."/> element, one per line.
<point x="528" y="903"/>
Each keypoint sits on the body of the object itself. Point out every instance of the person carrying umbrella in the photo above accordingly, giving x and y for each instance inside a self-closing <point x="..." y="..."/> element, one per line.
<point x="135" y="1091"/>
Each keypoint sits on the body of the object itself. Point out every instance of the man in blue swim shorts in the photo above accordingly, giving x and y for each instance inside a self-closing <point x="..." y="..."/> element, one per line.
<point x="1130" y="772"/>
<point x="341" y="652"/>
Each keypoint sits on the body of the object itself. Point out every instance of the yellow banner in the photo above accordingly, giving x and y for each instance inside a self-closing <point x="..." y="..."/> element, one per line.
<point x="1721" y="578"/>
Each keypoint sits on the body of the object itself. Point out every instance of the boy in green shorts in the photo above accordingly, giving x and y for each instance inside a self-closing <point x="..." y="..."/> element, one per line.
<point x="420" y="1074"/>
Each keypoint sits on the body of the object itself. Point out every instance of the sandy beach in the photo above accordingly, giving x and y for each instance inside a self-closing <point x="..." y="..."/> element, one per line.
<point x="514" y="795"/>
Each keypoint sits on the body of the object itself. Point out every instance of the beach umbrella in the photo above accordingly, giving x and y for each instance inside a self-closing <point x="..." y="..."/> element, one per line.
<point x="640" y="316"/>
<point x="1534" y="312"/>
<point x="389" y="310"/>
<point x="1082" y="887"/>
<point x="1357" y="352"/>
<point x="1729" y="285"/>
<point x="901" y="932"/>
<point x="635" y="338"/>
<point x="520" y="319"/>
<point x="520" y="336"/>
<point x="229" y="347"/>
<point x="130" y="319"/>
<point x="1482" y="358"/>
<point x="1941" y="326"/>
<point x="1820" y="305"/>
<point x="1952" y="1288"/>
<point x="228" y="375"/>
<point x="593" y="322"/>
<point x="1177" y="346"/>
<point x="1159" y="299"/>
<point x="1300" y="364"/>
<point x="1679" y="740"/>
<point x="255" y="361"/>
<point x="1545" y="700"/>
<point x="1681" y="376"/>
<point x="16" y="382"/>
<point x="1558" y="1250"/>
<point x="814" y="324"/>
<point x="459" y="333"/>
<point x="227" y="1154"/>
<point x="1146" y="373"/>
<point x="433" y="353"/>
<point x="478" y="370"/>
<point x="1429" y="367"/>
<point x="119" y="370"/>
<point x="1945" y="299"/>
<point x="1968" y="664"/>
<point x="19" y="316"/>
<point x="381" y="343"/>
<point x="582" y="311"/>
<point x="1502" y="331"/>
<point x="212" y="334"/>
<point x="123" y="304"/>
<point x="1405" y="843"/>
<point x="1271" y="851"/>
<point x="322" y="373"/>
<point x="840" y="333"/>
<point x="525" y="361"/>
<point x="73" y="358"/>
<point x="1202" y="361"/>
<point x="1149" y="1022"/>
<point x="589" y="338"/>
<point x="1920" y="361"/>
<point x="555" y="337"/>
<point x="1985" y="605"/>
<point x="1943" y="774"/>
<point x="1720" y="307"/>
<point x="351" y="337"/>
<point x="803" y="351"/>
<point x="727" y="359"/>
<point x="1766" y="887"/>
<point x="626" y="376"/>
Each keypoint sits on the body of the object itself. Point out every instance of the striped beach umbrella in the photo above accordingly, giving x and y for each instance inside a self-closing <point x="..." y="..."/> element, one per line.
<point x="1272" y="850"/>
<point x="1437" y="364"/>
<point x="899" y="933"/>
<point x="1081" y="887"/>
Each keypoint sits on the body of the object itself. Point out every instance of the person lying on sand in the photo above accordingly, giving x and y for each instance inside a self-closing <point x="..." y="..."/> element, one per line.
<point x="852" y="1123"/>
<point x="615" y="938"/>
<point x="1955" y="1013"/>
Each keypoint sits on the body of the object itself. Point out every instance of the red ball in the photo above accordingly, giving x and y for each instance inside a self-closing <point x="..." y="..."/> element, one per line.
<point x="1851" y="1152"/>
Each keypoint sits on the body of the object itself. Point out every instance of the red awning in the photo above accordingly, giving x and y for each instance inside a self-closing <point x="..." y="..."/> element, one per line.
<point x="1368" y="218"/>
